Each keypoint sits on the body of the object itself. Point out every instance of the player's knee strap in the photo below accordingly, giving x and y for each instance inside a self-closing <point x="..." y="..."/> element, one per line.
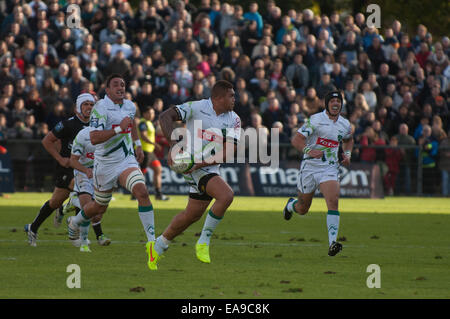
<point x="134" y="178"/>
<point x="102" y="198"/>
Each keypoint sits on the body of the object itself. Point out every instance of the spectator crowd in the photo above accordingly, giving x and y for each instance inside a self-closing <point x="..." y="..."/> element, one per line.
<point x="395" y="84"/>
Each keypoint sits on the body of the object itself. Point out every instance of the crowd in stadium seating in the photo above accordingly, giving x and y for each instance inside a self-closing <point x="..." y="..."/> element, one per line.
<point x="282" y="65"/>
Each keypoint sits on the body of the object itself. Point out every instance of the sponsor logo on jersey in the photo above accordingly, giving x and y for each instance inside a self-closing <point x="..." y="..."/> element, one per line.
<point x="326" y="142"/>
<point x="209" y="136"/>
<point x="90" y="155"/>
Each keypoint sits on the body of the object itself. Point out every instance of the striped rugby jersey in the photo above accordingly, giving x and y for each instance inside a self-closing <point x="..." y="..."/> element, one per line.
<point x="324" y="134"/>
<point x="105" y="116"/>
<point x="213" y="127"/>
<point x="82" y="147"/>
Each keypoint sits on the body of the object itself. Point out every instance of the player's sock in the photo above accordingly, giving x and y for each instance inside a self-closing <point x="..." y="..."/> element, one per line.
<point x="97" y="229"/>
<point x="161" y="244"/>
<point x="80" y="218"/>
<point x="84" y="231"/>
<point x="332" y="225"/>
<point x="157" y="191"/>
<point x="210" y="225"/>
<point x="43" y="214"/>
<point x="76" y="201"/>
<point x="291" y="206"/>
<point x="147" y="217"/>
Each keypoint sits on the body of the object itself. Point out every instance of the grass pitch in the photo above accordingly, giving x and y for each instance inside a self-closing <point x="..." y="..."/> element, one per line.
<point x="255" y="253"/>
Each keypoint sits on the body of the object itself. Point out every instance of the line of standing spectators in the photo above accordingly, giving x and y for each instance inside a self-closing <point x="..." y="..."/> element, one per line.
<point x="282" y="64"/>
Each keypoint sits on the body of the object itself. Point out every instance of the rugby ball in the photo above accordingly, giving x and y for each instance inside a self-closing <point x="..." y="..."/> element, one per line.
<point x="182" y="162"/>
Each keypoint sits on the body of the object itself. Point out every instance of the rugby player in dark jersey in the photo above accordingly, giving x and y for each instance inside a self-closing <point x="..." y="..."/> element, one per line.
<point x="58" y="142"/>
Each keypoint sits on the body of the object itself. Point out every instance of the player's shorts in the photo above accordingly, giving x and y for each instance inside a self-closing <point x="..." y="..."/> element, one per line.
<point x="150" y="160"/>
<point x="197" y="181"/>
<point x="83" y="184"/>
<point x="106" y="175"/>
<point x="63" y="177"/>
<point x="310" y="177"/>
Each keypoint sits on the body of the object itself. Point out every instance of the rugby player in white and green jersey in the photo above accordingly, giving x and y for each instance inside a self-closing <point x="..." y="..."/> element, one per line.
<point x="116" y="162"/>
<point x="221" y="125"/>
<point x="319" y="139"/>
<point x="82" y="160"/>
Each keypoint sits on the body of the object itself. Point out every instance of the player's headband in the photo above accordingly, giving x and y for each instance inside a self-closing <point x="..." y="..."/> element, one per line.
<point x="84" y="98"/>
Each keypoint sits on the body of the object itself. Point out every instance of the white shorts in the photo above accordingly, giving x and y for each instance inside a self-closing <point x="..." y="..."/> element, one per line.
<point x="106" y="175"/>
<point x="310" y="177"/>
<point x="82" y="183"/>
<point x="193" y="179"/>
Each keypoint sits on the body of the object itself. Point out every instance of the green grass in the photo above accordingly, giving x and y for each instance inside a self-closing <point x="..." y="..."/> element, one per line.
<point x="255" y="253"/>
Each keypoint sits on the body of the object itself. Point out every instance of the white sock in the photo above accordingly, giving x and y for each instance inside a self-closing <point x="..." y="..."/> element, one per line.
<point x="147" y="217"/>
<point x="332" y="225"/>
<point x="75" y="200"/>
<point x="84" y="231"/>
<point x="161" y="244"/>
<point x="291" y="206"/>
<point x="210" y="225"/>
<point x="80" y="218"/>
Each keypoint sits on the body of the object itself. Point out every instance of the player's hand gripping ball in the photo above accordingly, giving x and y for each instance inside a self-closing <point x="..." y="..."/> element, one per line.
<point x="182" y="162"/>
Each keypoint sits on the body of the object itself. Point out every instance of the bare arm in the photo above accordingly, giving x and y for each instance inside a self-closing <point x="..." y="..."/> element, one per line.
<point x="74" y="162"/>
<point x="299" y="142"/>
<point x="166" y="120"/>
<point x="52" y="145"/>
<point x="100" y="136"/>
<point x="347" y="146"/>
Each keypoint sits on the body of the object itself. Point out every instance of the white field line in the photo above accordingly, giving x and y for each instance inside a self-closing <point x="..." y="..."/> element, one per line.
<point x="218" y="242"/>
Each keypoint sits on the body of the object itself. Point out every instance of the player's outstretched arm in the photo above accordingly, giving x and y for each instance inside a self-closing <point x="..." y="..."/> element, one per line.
<point x="347" y="146"/>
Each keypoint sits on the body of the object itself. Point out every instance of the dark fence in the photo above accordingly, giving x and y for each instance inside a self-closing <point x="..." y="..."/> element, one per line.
<point x="33" y="168"/>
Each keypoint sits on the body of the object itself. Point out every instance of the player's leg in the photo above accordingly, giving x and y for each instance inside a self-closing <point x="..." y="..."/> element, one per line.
<point x="192" y="213"/>
<point x="72" y="205"/>
<point x="91" y="209"/>
<point x="58" y="197"/>
<point x="85" y="198"/>
<point x="330" y="191"/>
<point x="300" y="205"/>
<point x="133" y="180"/>
<point x="104" y="181"/>
<point x="218" y="189"/>
<point x="194" y="210"/>
<point x="306" y="185"/>
<point x="86" y="186"/>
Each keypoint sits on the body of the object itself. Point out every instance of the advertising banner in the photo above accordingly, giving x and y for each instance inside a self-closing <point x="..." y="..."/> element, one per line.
<point x="6" y="174"/>
<point x="358" y="180"/>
